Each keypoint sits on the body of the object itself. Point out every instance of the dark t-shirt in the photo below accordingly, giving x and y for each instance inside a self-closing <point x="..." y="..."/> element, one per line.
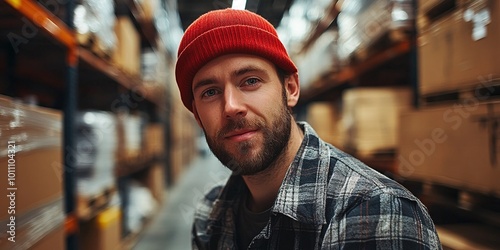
<point x="249" y="224"/>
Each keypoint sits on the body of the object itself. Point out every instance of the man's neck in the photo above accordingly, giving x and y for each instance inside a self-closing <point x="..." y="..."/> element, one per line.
<point x="264" y="186"/>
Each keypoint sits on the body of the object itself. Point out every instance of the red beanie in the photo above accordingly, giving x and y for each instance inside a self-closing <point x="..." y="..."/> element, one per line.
<point x="222" y="32"/>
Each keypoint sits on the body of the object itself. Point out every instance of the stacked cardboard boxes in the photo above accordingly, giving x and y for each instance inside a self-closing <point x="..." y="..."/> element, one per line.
<point x="456" y="44"/>
<point x="324" y="117"/>
<point x="127" y="55"/>
<point x="154" y="140"/>
<point x="365" y="122"/>
<point x="453" y="145"/>
<point x="154" y="180"/>
<point x="453" y="142"/>
<point x="370" y="119"/>
<point x="31" y="189"/>
<point x="183" y="129"/>
<point x="183" y="144"/>
<point x="364" y="23"/>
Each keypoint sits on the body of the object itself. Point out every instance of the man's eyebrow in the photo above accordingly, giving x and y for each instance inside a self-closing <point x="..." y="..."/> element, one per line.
<point x="202" y="83"/>
<point x="247" y="69"/>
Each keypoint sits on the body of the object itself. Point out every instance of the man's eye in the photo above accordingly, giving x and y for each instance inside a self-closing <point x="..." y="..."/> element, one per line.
<point x="210" y="92"/>
<point x="252" y="81"/>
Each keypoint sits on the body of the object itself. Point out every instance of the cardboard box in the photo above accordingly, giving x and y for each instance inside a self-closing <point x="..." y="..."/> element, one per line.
<point x="127" y="54"/>
<point x="130" y="137"/>
<point x="155" y="181"/>
<point x="476" y="56"/>
<point x="178" y="162"/>
<point x="370" y="119"/>
<point x="452" y="145"/>
<point x="324" y="117"/>
<point x="40" y="228"/>
<point x="31" y="139"/>
<point x="154" y="140"/>
<point x="103" y="232"/>
<point x="457" y="53"/>
<point x="56" y="240"/>
<point x="434" y="55"/>
<point x="425" y="5"/>
<point x="38" y="179"/>
<point x="32" y="188"/>
<point x="429" y="11"/>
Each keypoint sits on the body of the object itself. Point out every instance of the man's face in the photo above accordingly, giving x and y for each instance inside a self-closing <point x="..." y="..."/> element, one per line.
<point x="241" y="105"/>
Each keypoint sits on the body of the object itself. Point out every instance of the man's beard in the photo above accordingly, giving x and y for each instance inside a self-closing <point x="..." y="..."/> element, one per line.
<point x="275" y="143"/>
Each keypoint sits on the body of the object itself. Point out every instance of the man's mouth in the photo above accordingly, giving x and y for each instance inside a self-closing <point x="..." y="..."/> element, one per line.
<point x="240" y="135"/>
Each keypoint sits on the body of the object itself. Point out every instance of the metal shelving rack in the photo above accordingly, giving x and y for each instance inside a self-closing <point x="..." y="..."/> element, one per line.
<point x="398" y="55"/>
<point x="388" y="62"/>
<point x="26" y="26"/>
<point x="59" y="33"/>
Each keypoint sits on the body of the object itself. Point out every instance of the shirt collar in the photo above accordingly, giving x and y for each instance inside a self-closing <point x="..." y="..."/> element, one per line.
<point x="302" y="194"/>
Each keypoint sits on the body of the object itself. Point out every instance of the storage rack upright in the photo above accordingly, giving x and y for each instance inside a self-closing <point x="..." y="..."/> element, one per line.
<point x="43" y="58"/>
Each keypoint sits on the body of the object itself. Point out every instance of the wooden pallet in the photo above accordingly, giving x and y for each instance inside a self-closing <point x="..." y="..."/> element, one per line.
<point x="488" y="90"/>
<point x="459" y="196"/>
<point x="88" y="206"/>
<point x="459" y="204"/>
<point x="468" y="236"/>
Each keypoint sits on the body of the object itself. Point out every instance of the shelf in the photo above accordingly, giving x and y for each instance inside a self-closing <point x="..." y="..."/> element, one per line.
<point x="41" y="72"/>
<point x="43" y="19"/>
<point x="94" y="72"/>
<point x="331" y="12"/>
<point x="40" y="56"/>
<point x="135" y="164"/>
<point x="91" y="62"/>
<point x="395" y="56"/>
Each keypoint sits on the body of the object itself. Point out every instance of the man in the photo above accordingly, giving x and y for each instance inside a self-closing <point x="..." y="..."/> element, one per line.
<point x="289" y="189"/>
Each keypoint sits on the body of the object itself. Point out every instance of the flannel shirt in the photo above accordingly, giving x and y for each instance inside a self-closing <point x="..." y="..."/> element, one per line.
<point x="327" y="200"/>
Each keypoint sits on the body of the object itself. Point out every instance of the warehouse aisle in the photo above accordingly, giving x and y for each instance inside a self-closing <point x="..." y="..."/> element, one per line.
<point x="171" y="228"/>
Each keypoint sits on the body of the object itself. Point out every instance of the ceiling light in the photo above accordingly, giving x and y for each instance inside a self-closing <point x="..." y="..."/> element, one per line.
<point x="239" y="4"/>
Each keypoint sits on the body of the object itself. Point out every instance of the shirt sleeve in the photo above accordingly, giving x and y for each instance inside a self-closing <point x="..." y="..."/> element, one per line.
<point x="199" y="235"/>
<point x="383" y="221"/>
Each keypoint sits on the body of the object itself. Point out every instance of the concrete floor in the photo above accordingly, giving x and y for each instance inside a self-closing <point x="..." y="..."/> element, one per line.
<point x="171" y="228"/>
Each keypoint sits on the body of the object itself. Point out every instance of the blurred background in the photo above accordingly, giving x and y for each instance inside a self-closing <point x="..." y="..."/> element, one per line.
<point x="98" y="152"/>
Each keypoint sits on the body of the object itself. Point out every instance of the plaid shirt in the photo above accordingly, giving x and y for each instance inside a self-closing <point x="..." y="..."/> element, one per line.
<point x="328" y="200"/>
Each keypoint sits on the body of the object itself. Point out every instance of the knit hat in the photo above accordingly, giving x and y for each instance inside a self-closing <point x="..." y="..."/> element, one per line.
<point x="222" y="32"/>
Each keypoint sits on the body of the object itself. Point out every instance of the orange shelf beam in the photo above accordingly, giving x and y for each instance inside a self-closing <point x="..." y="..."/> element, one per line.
<point x="133" y="83"/>
<point x="45" y="20"/>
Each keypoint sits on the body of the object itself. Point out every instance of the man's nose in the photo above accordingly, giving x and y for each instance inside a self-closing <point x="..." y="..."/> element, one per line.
<point x="234" y="103"/>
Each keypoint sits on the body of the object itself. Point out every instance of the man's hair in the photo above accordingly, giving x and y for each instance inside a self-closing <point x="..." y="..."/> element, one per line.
<point x="282" y="75"/>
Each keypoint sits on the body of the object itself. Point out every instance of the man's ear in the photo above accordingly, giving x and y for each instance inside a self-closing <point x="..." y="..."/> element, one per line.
<point x="292" y="88"/>
<point x="195" y="113"/>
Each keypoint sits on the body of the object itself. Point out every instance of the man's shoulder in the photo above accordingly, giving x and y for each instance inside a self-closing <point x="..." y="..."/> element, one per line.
<point x="214" y="192"/>
<point x="206" y="203"/>
<point x="218" y="197"/>
<point x="352" y="178"/>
